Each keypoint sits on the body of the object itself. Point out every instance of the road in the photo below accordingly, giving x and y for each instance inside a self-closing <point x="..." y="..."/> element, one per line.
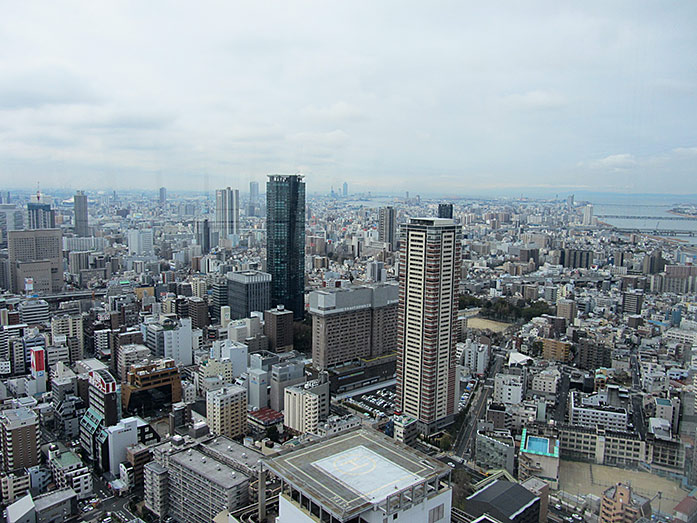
<point x="560" y="410"/>
<point x="477" y="410"/>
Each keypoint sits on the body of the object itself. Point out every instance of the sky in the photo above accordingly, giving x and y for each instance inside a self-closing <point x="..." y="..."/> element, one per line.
<point x="440" y="98"/>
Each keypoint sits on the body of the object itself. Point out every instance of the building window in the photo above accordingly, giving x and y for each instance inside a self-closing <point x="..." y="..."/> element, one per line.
<point x="436" y="513"/>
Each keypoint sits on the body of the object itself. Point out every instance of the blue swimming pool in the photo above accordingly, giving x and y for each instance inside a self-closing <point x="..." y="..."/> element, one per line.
<point x="537" y="444"/>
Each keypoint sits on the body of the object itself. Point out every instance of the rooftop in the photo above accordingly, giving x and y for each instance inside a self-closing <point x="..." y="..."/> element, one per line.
<point x="539" y="445"/>
<point x="213" y="470"/>
<point x="507" y="498"/>
<point x="355" y="470"/>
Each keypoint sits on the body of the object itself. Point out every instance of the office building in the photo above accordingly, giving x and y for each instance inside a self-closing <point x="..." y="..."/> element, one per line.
<point x="285" y="241"/>
<point x="253" y="198"/>
<point x="170" y="338"/>
<point x="202" y="231"/>
<point x="198" y="312"/>
<point x="387" y="227"/>
<point x="163" y="195"/>
<point x="622" y="504"/>
<point x="278" y="328"/>
<point x="226" y="411"/>
<point x="592" y="411"/>
<point x="80" y="211"/>
<point x="11" y="219"/>
<point x="40" y="215"/>
<point x="227" y="212"/>
<point x="445" y="210"/>
<point x="429" y="277"/>
<point x="129" y="355"/>
<point x="360" y="475"/>
<point x="72" y="328"/>
<point x="140" y="242"/>
<point x="104" y="410"/>
<point x="148" y="384"/>
<point x="345" y="190"/>
<point x="36" y="261"/>
<point x="33" y="312"/>
<point x="248" y="291"/>
<point x="353" y="322"/>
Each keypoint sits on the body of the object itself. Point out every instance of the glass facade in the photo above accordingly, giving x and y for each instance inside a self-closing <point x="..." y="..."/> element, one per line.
<point x="285" y="241"/>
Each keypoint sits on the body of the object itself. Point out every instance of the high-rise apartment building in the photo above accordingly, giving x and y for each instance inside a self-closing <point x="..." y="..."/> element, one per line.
<point x="387" y="227"/>
<point x="19" y="439"/>
<point x="285" y="241"/>
<point x="36" y="260"/>
<point x="226" y="411"/>
<point x="140" y="242"/>
<point x="227" y="212"/>
<point x="80" y="210"/>
<point x="352" y="323"/>
<point x="429" y="276"/>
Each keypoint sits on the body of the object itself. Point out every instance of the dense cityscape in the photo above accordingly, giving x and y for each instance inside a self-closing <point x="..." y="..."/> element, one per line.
<point x="274" y="353"/>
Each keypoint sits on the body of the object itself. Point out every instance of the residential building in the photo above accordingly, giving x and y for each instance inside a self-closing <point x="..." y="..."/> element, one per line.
<point x="556" y="350"/>
<point x="509" y="389"/>
<point x="170" y="338"/>
<point x="387" y="227"/>
<point x="495" y="449"/>
<point x="226" y="411"/>
<point x="429" y="278"/>
<point x="622" y="504"/>
<point x="70" y="326"/>
<point x="305" y="405"/>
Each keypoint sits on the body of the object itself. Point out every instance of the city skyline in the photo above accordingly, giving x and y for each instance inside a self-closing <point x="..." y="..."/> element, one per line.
<point x="473" y="98"/>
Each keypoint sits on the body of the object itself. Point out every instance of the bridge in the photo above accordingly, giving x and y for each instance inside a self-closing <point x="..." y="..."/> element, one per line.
<point x="657" y="218"/>
<point x="655" y="232"/>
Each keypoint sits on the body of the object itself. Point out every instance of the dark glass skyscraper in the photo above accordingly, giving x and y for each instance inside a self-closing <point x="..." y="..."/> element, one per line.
<point x="285" y="241"/>
<point x="80" y="207"/>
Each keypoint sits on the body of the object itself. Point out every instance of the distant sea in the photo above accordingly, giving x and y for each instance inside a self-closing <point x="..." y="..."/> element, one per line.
<point x="653" y="211"/>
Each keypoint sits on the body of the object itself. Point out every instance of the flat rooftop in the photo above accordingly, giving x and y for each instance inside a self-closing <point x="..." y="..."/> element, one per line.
<point x="353" y="471"/>
<point x="539" y="445"/>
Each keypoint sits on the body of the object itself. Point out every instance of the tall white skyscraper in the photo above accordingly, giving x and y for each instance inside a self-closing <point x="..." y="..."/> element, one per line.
<point x="429" y="271"/>
<point x="588" y="214"/>
<point x="227" y="212"/>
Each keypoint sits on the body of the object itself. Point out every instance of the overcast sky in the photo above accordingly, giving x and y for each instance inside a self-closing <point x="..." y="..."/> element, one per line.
<point x="432" y="97"/>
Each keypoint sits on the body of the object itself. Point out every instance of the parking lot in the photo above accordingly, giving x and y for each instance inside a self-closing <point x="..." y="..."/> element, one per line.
<point x="378" y="403"/>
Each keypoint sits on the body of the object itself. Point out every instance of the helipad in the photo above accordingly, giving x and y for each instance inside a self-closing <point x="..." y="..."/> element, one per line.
<point x="354" y="471"/>
<point x="367" y="472"/>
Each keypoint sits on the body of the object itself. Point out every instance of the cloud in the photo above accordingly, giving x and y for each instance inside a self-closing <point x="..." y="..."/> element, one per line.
<point x="42" y="87"/>
<point x="614" y="162"/>
<point x="538" y="99"/>
<point x="385" y="95"/>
